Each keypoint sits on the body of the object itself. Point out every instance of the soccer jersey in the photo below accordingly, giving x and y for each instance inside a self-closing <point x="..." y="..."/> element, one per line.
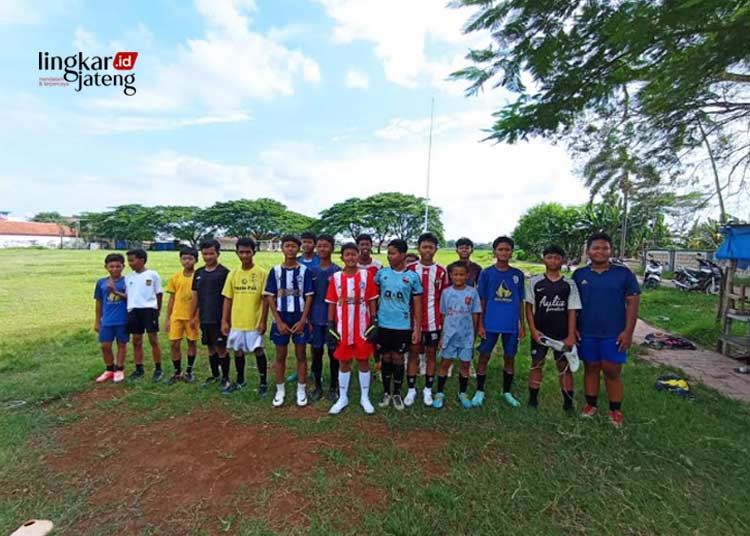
<point x="458" y="306"/>
<point x="351" y="293"/>
<point x="472" y="278"/>
<point x="114" y="307"/>
<point x="320" y="277"/>
<point x="143" y="287"/>
<point x="182" y="288"/>
<point x="209" y="285"/>
<point x="434" y="279"/>
<point x="552" y="300"/>
<point x="373" y="266"/>
<point x="310" y="263"/>
<point x="290" y="287"/>
<point x="245" y="289"/>
<point x="502" y="292"/>
<point x="603" y="298"/>
<point x="396" y="292"/>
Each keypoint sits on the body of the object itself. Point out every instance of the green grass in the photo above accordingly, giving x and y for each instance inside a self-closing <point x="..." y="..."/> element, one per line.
<point x="676" y="467"/>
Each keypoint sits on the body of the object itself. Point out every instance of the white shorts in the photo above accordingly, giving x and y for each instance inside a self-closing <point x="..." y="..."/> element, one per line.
<point x="244" y="341"/>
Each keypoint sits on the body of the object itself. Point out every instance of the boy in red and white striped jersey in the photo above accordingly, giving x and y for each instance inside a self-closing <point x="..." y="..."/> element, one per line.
<point x="434" y="278"/>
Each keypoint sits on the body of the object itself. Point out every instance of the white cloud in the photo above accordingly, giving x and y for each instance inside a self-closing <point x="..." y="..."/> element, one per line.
<point x="356" y="79"/>
<point x="85" y="41"/>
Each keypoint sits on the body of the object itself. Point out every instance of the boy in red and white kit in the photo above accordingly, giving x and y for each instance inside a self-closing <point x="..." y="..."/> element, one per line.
<point x="352" y="320"/>
<point x="434" y="279"/>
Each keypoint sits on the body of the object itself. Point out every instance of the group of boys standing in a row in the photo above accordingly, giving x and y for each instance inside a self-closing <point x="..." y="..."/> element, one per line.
<point x="361" y="309"/>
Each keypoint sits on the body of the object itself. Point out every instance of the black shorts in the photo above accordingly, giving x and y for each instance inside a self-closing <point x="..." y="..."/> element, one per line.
<point x="430" y="339"/>
<point x="211" y="335"/>
<point x="140" y="320"/>
<point x="539" y="352"/>
<point x="393" y="340"/>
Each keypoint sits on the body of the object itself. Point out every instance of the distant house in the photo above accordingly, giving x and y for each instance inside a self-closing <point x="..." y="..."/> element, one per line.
<point x="19" y="234"/>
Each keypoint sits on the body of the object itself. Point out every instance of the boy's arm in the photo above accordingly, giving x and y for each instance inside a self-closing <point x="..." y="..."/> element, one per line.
<point x="530" y="319"/>
<point x="521" y="323"/>
<point x="625" y="339"/>
<point x="416" y="304"/>
<point x="570" y="340"/>
<point x="480" y="329"/>
<point x="475" y="321"/>
<point x="194" y="310"/>
<point x="170" y="308"/>
<point x="98" y="316"/>
<point x="280" y="325"/>
<point x="159" y="300"/>
<point x="263" y="324"/>
<point x="300" y="326"/>
<point x="226" y="315"/>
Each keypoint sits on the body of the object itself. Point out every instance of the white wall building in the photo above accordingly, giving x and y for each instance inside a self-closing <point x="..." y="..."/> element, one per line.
<point x="20" y="234"/>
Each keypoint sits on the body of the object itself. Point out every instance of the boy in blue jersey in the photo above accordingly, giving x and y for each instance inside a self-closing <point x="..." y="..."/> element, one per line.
<point x="319" y="320"/>
<point x="501" y="289"/>
<point x="308" y="257"/>
<point x="400" y="292"/>
<point x="610" y="297"/>
<point x="111" y="321"/>
<point x="290" y="291"/>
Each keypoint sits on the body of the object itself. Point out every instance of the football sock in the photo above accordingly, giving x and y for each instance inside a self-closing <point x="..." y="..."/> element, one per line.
<point x="239" y="364"/>
<point x="441" y="383"/>
<point x="463" y="384"/>
<point x="260" y="360"/>
<point x="224" y="365"/>
<point x="213" y="361"/>
<point x="364" y="384"/>
<point x="591" y="400"/>
<point x="333" y="366"/>
<point x="190" y="363"/>
<point x="480" y="381"/>
<point x="344" y="385"/>
<point x="177" y="364"/>
<point x="110" y="368"/>
<point x="398" y="378"/>
<point x="157" y="366"/>
<point x="567" y="399"/>
<point x="507" y="381"/>
<point x="386" y="370"/>
<point x="411" y="381"/>
<point x="533" y="397"/>
<point x="317" y="366"/>
<point x="614" y="406"/>
<point x="428" y="381"/>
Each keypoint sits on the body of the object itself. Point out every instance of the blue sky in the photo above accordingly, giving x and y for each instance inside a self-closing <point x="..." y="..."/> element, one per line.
<point x="306" y="101"/>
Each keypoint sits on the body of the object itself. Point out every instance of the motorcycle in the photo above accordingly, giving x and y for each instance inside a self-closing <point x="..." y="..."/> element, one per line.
<point x="706" y="278"/>
<point x="652" y="273"/>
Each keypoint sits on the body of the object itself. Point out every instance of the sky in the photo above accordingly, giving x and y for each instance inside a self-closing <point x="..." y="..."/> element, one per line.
<point x="309" y="102"/>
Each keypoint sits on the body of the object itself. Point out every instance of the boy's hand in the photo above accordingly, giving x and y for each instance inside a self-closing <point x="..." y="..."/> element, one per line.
<point x="299" y="327"/>
<point x="624" y="340"/>
<point x="537" y="336"/>
<point x="262" y="327"/>
<point x="570" y="341"/>
<point x="481" y="332"/>
<point x="283" y="328"/>
<point x="110" y="284"/>
<point x="521" y="332"/>
<point x="97" y="326"/>
<point x="332" y="336"/>
<point x="225" y="328"/>
<point x="167" y="324"/>
<point x="193" y="324"/>
<point x="372" y="330"/>
<point x="416" y="336"/>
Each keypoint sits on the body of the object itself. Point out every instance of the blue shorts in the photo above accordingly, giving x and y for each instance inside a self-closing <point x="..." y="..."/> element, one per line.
<point x="454" y="352"/>
<point x="594" y="349"/>
<point x="110" y="333"/>
<point x="318" y="338"/>
<point x="298" y="338"/>
<point x="510" y="343"/>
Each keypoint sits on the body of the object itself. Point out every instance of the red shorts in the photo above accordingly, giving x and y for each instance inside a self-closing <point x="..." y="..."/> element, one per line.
<point x="358" y="350"/>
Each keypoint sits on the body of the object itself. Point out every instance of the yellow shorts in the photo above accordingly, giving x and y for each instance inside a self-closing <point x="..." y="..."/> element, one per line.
<point x="181" y="328"/>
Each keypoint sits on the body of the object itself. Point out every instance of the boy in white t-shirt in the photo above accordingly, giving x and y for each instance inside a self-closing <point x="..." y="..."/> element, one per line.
<point x="144" y="305"/>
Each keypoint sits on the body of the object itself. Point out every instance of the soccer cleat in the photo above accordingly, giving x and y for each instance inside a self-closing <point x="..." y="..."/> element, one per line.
<point x="232" y="387"/>
<point x="291" y="378"/>
<point x="278" y="398"/>
<point x="105" y="376"/>
<point x="511" y="400"/>
<point x="465" y="402"/>
<point x="224" y="383"/>
<point x="119" y="376"/>
<point x="189" y="378"/>
<point x="317" y="394"/>
<point x="157" y="376"/>
<point x="366" y="405"/>
<point x="262" y="390"/>
<point x="588" y="411"/>
<point x="385" y="401"/>
<point x="137" y="374"/>
<point x="616" y="419"/>
<point x="427" y="396"/>
<point x="411" y="396"/>
<point x="176" y="377"/>
<point x="333" y="393"/>
<point x="339" y="406"/>
<point x="478" y="399"/>
<point x="397" y="402"/>
<point x="208" y="382"/>
<point x="301" y="395"/>
<point x="439" y="401"/>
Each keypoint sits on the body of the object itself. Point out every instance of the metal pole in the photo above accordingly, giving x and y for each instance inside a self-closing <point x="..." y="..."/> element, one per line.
<point x="429" y="158"/>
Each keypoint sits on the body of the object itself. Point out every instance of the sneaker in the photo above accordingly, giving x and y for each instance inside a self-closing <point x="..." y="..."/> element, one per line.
<point x="588" y="411"/>
<point x="385" y="401"/>
<point x="366" y="406"/>
<point x="439" y="401"/>
<point x="278" y="398"/>
<point x="262" y="390"/>
<point x="333" y="394"/>
<point x="411" y="396"/>
<point x="232" y="387"/>
<point x="427" y="396"/>
<point x="157" y="376"/>
<point x="188" y="377"/>
<point x="176" y="377"/>
<point x="208" y="382"/>
<point x="317" y="394"/>
<point x="478" y="399"/>
<point x="511" y="400"/>
<point x="465" y="402"/>
<point x="339" y="406"/>
<point x="105" y="376"/>
<point x="616" y="419"/>
<point x="119" y="376"/>
<point x="137" y="374"/>
<point x="224" y="384"/>
<point x="291" y="378"/>
<point x="301" y="396"/>
<point x="397" y="402"/>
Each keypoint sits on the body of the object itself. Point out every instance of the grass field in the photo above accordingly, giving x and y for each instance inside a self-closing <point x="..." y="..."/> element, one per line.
<point x="153" y="459"/>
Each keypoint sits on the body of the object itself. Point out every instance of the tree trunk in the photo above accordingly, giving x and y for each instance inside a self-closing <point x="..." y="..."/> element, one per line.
<point x="717" y="184"/>
<point x="624" y="232"/>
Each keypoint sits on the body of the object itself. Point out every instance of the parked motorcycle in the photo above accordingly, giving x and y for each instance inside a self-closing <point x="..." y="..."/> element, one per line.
<point x="706" y="278"/>
<point x="652" y="273"/>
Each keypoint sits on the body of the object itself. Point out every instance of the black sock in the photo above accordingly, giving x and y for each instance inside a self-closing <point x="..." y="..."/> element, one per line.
<point x="239" y="364"/>
<point x="398" y="378"/>
<point x="139" y="367"/>
<point x="591" y="400"/>
<point x="428" y="381"/>
<point x="333" y="365"/>
<point x="177" y="364"/>
<point x="110" y="368"/>
<point x="567" y="399"/>
<point x="480" y="381"/>
<point x="533" y="397"/>
<point x="441" y="383"/>
<point x="411" y="381"/>
<point x="119" y="367"/>
<point x="386" y="370"/>
<point x="507" y="381"/>
<point x="190" y="363"/>
<point x="317" y="366"/>
<point x="157" y="366"/>
<point x="224" y="366"/>
<point x="262" y="363"/>
<point x="614" y="406"/>
<point x="463" y="384"/>
<point x="213" y="361"/>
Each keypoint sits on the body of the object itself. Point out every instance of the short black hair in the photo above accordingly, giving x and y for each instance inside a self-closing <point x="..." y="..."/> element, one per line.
<point x="328" y="238"/>
<point x="553" y="249"/>
<point x="348" y="245"/>
<point x="138" y="253"/>
<point x="460" y="264"/>
<point x="309" y="235"/>
<point x="413" y="256"/>
<point x="363" y="236"/>
<point x="427" y="237"/>
<point x="114" y="257"/>
<point x="189" y="251"/>
<point x="399" y="244"/>
<point x="463" y="241"/>
<point x="598" y="236"/>
<point x="210" y="243"/>
<point x="503" y="239"/>
<point x="247" y="242"/>
<point x="290" y="238"/>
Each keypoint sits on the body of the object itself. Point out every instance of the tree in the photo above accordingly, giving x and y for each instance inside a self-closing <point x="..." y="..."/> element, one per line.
<point x="50" y="217"/>
<point x="550" y="223"/>
<point x="133" y="223"/>
<point x="402" y="215"/>
<point x="345" y="218"/>
<point x="185" y="223"/>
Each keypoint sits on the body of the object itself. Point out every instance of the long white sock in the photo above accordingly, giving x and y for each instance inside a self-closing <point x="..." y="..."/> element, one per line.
<point x="344" y="384"/>
<point x="279" y="387"/>
<point x="364" y="383"/>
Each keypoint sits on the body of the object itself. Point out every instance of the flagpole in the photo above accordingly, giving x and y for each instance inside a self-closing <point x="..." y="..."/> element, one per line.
<point x="429" y="158"/>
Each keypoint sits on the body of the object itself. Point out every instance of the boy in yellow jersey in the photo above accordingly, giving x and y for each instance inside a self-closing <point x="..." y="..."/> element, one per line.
<point x="179" y="310"/>
<point x="245" y="315"/>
